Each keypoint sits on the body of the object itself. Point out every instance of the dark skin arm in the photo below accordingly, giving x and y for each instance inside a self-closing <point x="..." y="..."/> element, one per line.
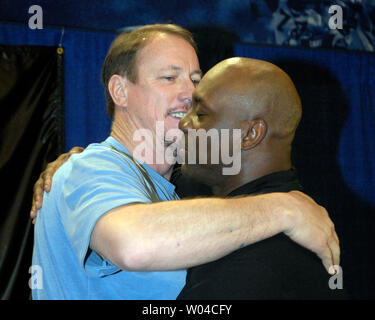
<point x="45" y="180"/>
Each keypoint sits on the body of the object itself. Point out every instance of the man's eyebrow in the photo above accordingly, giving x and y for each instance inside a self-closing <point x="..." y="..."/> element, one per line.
<point x="176" y="68"/>
<point x="198" y="72"/>
<point x="171" y="67"/>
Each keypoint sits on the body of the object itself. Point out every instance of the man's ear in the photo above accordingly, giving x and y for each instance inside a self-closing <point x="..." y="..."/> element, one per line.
<point x="252" y="133"/>
<point x="118" y="89"/>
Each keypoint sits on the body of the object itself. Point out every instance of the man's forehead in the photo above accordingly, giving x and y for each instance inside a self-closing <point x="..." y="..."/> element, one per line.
<point x="159" y="39"/>
<point x="212" y="84"/>
<point x="218" y="91"/>
<point x="208" y="94"/>
<point x="167" y="49"/>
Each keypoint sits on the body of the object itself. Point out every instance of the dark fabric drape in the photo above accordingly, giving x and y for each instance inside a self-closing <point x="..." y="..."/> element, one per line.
<point x="31" y="135"/>
<point x="334" y="148"/>
<point x="85" y="113"/>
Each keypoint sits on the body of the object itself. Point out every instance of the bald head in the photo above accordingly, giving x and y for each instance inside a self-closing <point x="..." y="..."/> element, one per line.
<point x="259" y="99"/>
<point x="256" y="89"/>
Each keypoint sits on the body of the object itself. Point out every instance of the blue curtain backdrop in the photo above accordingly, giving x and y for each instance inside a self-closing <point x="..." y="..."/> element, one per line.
<point x="85" y="116"/>
<point x="334" y="149"/>
<point x="354" y="73"/>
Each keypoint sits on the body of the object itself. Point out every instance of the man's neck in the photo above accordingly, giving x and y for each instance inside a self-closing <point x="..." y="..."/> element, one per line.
<point x="124" y="134"/>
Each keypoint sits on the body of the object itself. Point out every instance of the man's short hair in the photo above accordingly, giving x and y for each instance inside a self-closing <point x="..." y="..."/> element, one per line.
<point x="121" y="56"/>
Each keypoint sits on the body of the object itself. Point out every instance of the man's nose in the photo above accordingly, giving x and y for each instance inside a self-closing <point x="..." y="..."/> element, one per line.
<point x="185" y="123"/>
<point x="186" y="92"/>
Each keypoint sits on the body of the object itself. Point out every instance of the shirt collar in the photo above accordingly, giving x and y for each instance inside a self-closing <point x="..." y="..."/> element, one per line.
<point x="117" y="145"/>
<point x="281" y="181"/>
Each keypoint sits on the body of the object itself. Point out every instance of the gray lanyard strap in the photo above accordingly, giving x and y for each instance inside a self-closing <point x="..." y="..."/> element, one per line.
<point x="149" y="186"/>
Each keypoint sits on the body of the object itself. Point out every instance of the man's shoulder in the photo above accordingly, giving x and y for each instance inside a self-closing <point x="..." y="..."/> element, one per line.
<point x="97" y="157"/>
<point x="101" y="154"/>
<point x="97" y="163"/>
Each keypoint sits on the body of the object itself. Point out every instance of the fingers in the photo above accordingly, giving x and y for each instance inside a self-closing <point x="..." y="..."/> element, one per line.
<point x="334" y="246"/>
<point x="33" y="212"/>
<point x="44" y="182"/>
<point x="37" y="197"/>
<point x="76" y="150"/>
<point x="316" y="232"/>
<point x="47" y="174"/>
<point x="46" y="177"/>
<point x="327" y="259"/>
<point x="331" y="255"/>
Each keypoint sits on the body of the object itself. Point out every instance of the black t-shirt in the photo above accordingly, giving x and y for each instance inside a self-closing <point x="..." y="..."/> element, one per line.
<point x="275" y="268"/>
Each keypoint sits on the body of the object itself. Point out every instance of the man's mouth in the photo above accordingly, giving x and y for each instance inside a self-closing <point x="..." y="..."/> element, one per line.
<point x="178" y="115"/>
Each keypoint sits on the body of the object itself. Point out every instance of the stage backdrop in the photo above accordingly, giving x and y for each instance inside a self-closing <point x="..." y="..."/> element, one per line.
<point x="84" y="51"/>
<point x="31" y="135"/>
<point x="86" y="119"/>
<point x="334" y="149"/>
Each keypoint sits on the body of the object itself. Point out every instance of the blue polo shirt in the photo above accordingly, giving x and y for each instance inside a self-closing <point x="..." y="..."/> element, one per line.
<point x="88" y="185"/>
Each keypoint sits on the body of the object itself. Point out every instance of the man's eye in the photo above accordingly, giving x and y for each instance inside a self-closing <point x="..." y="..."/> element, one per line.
<point x="195" y="81"/>
<point x="169" y="78"/>
<point x="201" y="115"/>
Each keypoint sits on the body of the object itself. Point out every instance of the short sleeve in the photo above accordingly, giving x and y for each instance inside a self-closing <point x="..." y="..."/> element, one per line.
<point x="93" y="184"/>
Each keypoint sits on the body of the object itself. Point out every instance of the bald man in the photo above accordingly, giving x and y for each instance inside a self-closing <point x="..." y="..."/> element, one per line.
<point x="261" y="100"/>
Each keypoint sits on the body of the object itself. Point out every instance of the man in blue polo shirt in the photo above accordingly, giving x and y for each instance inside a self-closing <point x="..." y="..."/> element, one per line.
<point x="91" y="183"/>
<point x="106" y="231"/>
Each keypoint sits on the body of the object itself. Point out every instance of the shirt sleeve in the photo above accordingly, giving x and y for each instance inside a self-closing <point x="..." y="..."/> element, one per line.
<point x="94" y="184"/>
